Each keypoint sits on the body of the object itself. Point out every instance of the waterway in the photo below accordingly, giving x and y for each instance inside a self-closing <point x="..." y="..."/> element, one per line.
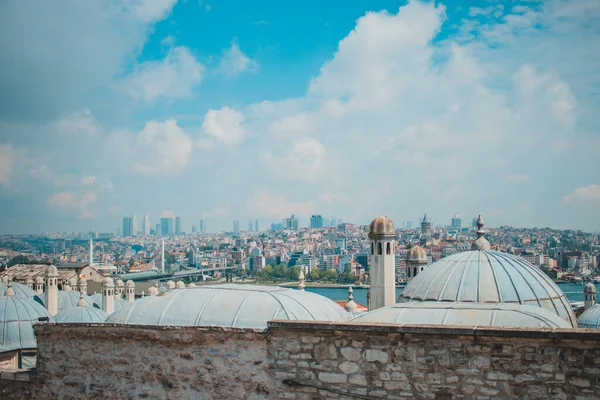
<point x="574" y="292"/>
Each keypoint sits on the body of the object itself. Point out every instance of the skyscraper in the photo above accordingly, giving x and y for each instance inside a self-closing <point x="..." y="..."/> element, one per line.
<point x="456" y="222"/>
<point x="236" y="226"/>
<point x="133" y="226"/>
<point x="146" y="225"/>
<point x="291" y="222"/>
<point x="158" y="229"/>
<point x="256" y="225"/>
<point x="166" y="226"/>
<point x="202" y="226"/>
<point x="126" y="226"/>
<point x="250" y="226"/>
<point x="178" y="226"/>
<point x="316" y="222"/>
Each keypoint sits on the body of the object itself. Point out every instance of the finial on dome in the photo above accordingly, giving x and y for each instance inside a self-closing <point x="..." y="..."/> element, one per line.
<point x="350" y="305"/>
<point x="481" y="242"/>
<point x="81" y="302"/>
<point x="301" y="284"/>
<point x="9" y="290"/>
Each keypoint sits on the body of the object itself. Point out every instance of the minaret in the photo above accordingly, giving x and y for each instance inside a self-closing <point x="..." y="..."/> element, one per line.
<point x="350" y="305"/>
<point x="83" y="285"/>
<point x="301" y="284"/>
<point x="108" y="295"/>
<point x="52" y="289"/>
<point x="382" y="262"/>
<point x="120" y="289"/>
<point x="589" y="294"/>
<point x="91" y="253"/>
<point x="130" y="291"/>
<point x="39" y="285"/>
<point x="481" y="242"/>
<point x="162" y="258"/>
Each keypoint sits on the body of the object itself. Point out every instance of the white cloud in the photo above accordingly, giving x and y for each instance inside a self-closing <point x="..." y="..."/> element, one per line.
<point x="585" y="194"/>
<point x="174" y="77"/>
<point x="78" y="123"/>
<point x="264" y="204"/>
<point x="225" y="125"/>
<point x="217" y="212"/>
<point x="162" y="148"/>
<point x="234" y="62"/>
<point x="303" y="161"/>
<point x="6" y="163"/>
<point x="150" y="10"/>
<point x="71" y="201"/>
<point x="292" y="126"/>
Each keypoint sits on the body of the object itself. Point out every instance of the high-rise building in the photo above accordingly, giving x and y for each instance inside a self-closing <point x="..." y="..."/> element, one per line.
<point x="250" y="226"/>
<point x="334" y="222"/>
<point x="157" y="230"/>
<point x="193" y="228"/>
<point x="236" y="226"/>
<point x="474" y="223"/>
<point x="126" y="226"/>
<point x="134" y="225"/>
<point x="166" y="226"/>
<point x="291" y="222"/>
<point x="316" y="222"/>
<point x="456" y="222"/>
<point x="146" y="225"/>
<point x="256" y="225"/>
<point x="202" y="226"/>
<point x="178" y="226"/>
<point x="408" y="224"/>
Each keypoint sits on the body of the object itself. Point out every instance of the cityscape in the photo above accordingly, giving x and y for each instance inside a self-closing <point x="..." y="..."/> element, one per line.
<point x="383" y="199"/>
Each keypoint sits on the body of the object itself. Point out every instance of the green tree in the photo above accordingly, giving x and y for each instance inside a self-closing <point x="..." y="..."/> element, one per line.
<point x="330" y="275"/>
<point x="293" y="272"/>
<point x="20" y="259"/>
<point x="315" y="274"/>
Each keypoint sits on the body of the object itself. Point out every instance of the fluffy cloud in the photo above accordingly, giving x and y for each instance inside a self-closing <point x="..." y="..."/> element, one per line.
<point x="584" y="194"/>
<point x="78" y="123"/>
<point x="174" y="77"/>
<point x="6" y="163"/>
<point x="74" y="202"/>
<point x="162" y="148"/>
<point x="234" y="62"/>
<point x="225" y="125"/>
<point x="303" y="161"/>
<point x="264" y="204"/>
<point x="150" y="10"/>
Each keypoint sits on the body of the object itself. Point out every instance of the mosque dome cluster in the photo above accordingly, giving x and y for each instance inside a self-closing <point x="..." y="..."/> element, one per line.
<point x="230" y="305"/>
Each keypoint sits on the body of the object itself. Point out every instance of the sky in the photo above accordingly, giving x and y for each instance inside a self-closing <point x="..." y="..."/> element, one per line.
<point x="224" y="110"/>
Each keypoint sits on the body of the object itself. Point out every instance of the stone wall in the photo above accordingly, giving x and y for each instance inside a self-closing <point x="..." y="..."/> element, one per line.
<point x="112" y="361"/>
<point x="321" y="360"/>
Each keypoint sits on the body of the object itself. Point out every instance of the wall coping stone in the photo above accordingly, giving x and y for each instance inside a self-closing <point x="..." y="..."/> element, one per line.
<point x="447" y="330"/>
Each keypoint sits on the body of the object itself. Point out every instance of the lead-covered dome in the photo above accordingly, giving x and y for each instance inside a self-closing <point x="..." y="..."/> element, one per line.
<point x="382" y="226"/>
<point x="17" y="315"/>
<point x="488" y="277"/>
<point x="20" y="290"/>
<point x="67" y="299"/>
<point x="119" y="303"/>
<point x="590" y="318"/>
<point x="230" y="305"/>
<point x="465" y="314"/>
<point x="81" y="314"/>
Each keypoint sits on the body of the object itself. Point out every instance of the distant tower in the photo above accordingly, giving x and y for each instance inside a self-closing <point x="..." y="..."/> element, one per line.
<point x="382" y="263"/>
<point x="146" y="225"/>
<point x="52" y="289"/>
<point x="589" y="293"/>
<point x="250" y="226"/>
<point x="162" y="257"/>
<point x="256" y="225"/>
<point x="178" y="229"/>
<point x="134" y="225"/>
<point x="236" y="226"/>
<point x="456" y="222"/>
<point x="130" y="291"/>
<point x="108" y="295"/>
<point x="426" y="225"/>
<point x="91" y="253"/>
<point x="416" y="261"/>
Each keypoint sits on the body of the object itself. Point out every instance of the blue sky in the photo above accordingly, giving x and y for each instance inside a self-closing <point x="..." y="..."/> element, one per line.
<point x="242" y="110"/>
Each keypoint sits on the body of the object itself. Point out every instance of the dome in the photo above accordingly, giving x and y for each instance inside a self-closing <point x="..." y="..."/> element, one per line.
<point x="17" y="315"/>
<point x="382" y="226"/>
<point x="590" y="318"/>
<point x="39" y="279"/>
<point x="67" y="300"/>
<point x="108" y="282"/>
<point x="230" y="305"/>
<point x="81" y="314"/>
<point x="417" y="254"/>
<point x="20" y="290"/>
<point x="51" y="271"/>
<point x="589" y="288"/>
<point x="488" y="277"/>
<point x="130" y="283"/>
<point x="465" y="314"/>
<point x="120" y="283"/>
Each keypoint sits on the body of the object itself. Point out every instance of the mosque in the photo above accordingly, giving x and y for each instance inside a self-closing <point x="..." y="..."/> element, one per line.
<point x="476" y="288"/>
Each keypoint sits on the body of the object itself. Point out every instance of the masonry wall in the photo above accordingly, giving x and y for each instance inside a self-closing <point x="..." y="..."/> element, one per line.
<point x="320" y="360"/>
<point x="111" y="361"/>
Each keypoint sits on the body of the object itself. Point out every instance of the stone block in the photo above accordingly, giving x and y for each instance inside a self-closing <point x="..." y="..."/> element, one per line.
<point x="358" y="379"/>
<point x="329" y="377"/>
<point x="499" y="376"/>
<point x="376" y="356"/>
<point x="348" y="367"/>
<point x="350" y="353"/>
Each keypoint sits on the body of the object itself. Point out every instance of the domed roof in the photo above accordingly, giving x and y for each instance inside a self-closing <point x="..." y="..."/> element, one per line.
<point x="108" y="282"/>
<point x="417" y="254"/>
<point x="590" y="318"/>
<point x="230" y="305"/>
<point x="382" y="226"/>
<point x="51" y="270"/>
<point x="488" y="277"/>
<point x="130" y="283"/>
<point x="39" y="279"/>
<point x="17" y="315"/>
<point x="81" y="314"/>
<point x="589" y="288"/>
<point x="68" y="299"/>
<point x="20" y="290"/>
<point x="466" y="314"/>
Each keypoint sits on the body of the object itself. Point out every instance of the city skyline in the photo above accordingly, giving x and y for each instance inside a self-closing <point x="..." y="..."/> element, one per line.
<point x="229" y="113"/>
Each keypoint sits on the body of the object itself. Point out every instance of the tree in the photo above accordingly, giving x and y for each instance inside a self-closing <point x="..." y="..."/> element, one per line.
<point x="293" y="272"/>
<point x="315" y="274"/>
<point x="20" y="259"/>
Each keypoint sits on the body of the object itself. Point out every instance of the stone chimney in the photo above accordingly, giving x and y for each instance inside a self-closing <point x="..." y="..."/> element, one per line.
<point x="52" y="289"/>
<point x="108" y="295"/>
<point x="130" y="291"/>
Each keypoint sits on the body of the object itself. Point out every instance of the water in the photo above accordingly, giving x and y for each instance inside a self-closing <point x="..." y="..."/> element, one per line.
<point x="573" y="292"/>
